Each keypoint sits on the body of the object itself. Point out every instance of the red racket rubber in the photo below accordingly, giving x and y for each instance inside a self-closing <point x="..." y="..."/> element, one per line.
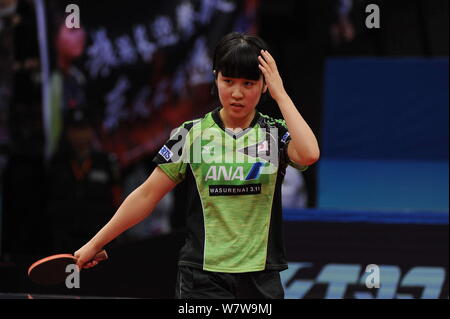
<point x="52" y="269"/>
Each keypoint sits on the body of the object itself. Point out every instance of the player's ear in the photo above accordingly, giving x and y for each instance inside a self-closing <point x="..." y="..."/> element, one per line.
<point x="215" y="76"/>
<point x="214" y="85"/>
<point x="264" y="87"/>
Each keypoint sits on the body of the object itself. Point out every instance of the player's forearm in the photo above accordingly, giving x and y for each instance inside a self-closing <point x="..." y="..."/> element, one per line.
<point x="135" y="208"/>
<point x="302" y="137"/>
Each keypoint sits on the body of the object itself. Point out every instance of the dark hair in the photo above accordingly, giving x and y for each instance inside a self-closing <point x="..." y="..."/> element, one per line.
<point x="236" y="56"/>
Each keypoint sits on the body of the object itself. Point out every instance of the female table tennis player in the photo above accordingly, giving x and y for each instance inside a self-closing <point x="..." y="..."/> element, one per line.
<point x="234" y="159"/>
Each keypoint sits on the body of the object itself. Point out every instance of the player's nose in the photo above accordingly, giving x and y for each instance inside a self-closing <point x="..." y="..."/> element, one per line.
<point x="237" y="92"/>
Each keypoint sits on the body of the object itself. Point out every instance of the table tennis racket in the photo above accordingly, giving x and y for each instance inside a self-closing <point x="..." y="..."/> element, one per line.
<point x="52" y="269"/>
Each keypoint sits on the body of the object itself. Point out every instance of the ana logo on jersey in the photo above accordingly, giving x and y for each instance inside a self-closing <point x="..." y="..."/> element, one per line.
<point x="231" y="173"/>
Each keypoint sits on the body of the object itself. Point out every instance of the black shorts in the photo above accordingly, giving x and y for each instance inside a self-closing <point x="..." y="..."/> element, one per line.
<point x="194" y="283"/>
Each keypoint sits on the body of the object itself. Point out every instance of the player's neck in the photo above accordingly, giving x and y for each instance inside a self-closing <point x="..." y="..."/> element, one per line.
<point x="232" y="123"/>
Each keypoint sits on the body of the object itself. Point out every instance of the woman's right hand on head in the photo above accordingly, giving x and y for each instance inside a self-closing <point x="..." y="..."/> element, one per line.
<point x="85" y="256"/>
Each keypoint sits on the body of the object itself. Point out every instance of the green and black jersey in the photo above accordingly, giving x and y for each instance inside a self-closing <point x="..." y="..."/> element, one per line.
<point x="234" y="215"/>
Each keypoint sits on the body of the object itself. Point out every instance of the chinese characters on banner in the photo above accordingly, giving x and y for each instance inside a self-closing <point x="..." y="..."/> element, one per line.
<point x="144" y="67"/>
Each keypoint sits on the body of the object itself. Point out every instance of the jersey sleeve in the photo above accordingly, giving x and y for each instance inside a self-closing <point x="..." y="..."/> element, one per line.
<point x="173" y="157"/>
<point x="284" y="139"/>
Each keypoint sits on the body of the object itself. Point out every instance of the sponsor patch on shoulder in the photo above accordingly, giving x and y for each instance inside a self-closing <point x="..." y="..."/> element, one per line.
<point x="285" y="137"/>
<point x="166" y="153"/>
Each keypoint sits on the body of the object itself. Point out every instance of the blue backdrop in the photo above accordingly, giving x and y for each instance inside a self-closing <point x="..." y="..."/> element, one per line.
<point x="385" y="134"/>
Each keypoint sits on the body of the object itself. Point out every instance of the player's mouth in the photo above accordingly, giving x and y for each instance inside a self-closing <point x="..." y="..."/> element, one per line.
<point x="238" y="105"/>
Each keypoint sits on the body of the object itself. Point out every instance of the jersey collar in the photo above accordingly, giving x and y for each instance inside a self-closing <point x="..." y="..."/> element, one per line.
<point x="216" y="117"/>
